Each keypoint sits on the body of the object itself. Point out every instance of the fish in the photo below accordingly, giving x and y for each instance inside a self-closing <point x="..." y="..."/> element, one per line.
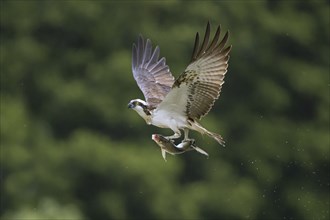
<point x="168" y="146"/>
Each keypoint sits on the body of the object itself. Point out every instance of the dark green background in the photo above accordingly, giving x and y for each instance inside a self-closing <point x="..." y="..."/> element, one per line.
<point x="71" y="149"/>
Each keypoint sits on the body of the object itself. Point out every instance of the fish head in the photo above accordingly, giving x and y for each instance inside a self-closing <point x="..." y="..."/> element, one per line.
<point x="161" y="140"/>
<point x="157" y="138"/>
<point x="166" y="144"/>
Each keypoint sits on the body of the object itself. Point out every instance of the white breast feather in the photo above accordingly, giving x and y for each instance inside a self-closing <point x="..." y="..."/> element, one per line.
<point x="171" y="112"/>
<point x="176" y="100"/>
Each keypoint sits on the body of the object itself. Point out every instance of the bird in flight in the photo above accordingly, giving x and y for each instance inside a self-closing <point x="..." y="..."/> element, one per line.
<point x="180" y="104"/>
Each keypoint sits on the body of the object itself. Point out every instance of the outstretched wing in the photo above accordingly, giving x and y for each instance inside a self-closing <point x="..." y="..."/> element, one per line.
<point x="152" y="75"/>
<point x="196" y="89"/>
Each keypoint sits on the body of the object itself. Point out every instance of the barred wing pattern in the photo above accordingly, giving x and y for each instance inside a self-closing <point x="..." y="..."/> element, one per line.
<point x="152" y="74"/>
<point x="202" y="80"/>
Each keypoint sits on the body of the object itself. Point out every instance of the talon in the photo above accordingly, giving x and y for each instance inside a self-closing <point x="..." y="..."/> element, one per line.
<point x="190" y="140"/>
<point x="172" y="140"/>
<point x="174" y="136"/>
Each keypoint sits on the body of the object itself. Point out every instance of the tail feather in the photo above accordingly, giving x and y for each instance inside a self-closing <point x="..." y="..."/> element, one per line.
<point x="197" y="127"/>
<point x="216" y="137"/>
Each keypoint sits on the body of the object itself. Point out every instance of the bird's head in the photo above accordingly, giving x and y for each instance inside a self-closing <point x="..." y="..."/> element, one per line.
<point x="141" y="107"/>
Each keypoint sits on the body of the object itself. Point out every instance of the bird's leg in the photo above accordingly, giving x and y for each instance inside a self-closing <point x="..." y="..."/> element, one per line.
<point x="176" y="135"/>
<point x="186" y="138"/>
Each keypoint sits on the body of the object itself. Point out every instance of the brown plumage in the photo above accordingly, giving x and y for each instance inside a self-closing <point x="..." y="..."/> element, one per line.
<point x="152" y="74"/>
<point x="205" y="74"/>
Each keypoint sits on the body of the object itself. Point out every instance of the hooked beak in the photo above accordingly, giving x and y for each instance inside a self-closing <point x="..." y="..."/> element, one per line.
<point x="130" y="105"/>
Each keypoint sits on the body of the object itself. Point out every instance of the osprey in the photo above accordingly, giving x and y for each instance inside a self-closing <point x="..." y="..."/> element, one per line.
<point x="179" y="104"/>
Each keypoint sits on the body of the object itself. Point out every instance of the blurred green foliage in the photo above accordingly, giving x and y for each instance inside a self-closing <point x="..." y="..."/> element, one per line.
<point x="70" y="148"/>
